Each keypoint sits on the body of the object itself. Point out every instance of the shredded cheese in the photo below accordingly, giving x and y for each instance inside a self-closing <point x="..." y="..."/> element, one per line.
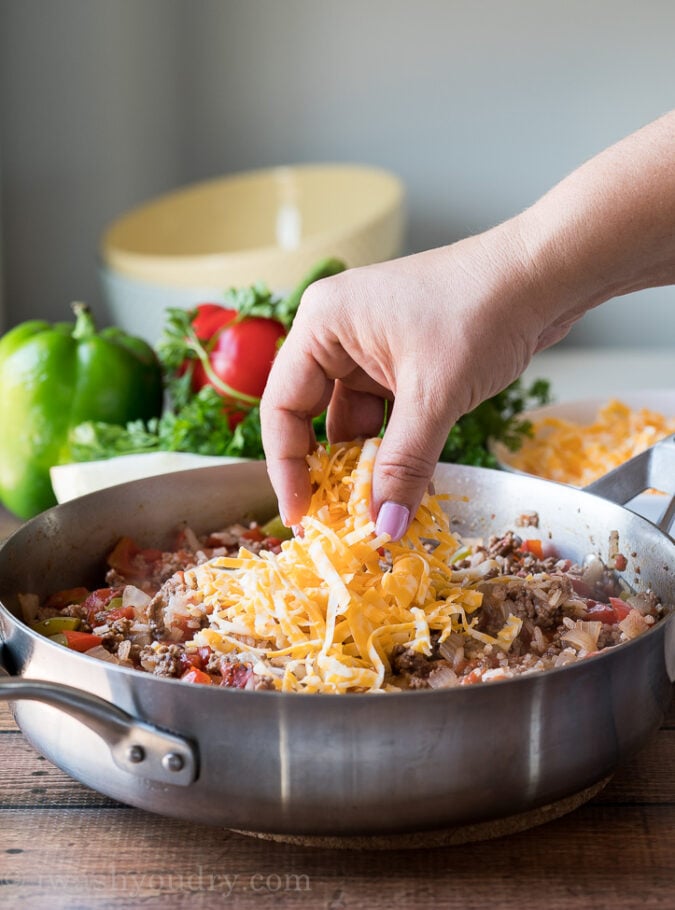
<point x="325" y="613"/>
<point x="571" y="453"/>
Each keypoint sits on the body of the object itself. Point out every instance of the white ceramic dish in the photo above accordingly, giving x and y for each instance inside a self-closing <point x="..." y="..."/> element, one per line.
<point x="79" y="478"/>
<point x="584" y="411"/>
<point x="271" y="225"/>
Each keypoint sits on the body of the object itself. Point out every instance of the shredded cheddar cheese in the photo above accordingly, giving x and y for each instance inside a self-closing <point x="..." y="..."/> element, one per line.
<point x="572" y="453"/>
<point x="325" y="613"/>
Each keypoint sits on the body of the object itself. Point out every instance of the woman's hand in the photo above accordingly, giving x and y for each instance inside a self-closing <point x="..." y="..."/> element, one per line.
<point x="434" y="334"/>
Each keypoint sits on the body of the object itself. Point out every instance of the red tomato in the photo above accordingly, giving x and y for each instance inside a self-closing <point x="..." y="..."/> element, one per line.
<point x="615" y="611"/>
<point x="599" y="612"/>
<point x="98" y="601"/>
<point x="240" y="354"/>
<point x="235" y="675"/>
<point x="475" y="676"/>
<point x="122" y="556"/>
<point x="195" y="675"/>
<point x="198" y="658"/>
<point x="210" y="318"/>
<point x="181" y="630"/>
<point x="243" y="353"/>
<point x="81" y="641"/>
<point x="620" y="562"/>
<point x="134" y="564"/>
<point x="534" y="547"/>
<point x="120" y="613"/>
<point x="621" y="608"/>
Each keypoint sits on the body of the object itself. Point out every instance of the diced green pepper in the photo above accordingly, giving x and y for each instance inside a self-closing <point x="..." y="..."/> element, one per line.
<point x="56" y="624"/>
<point x="276" y="528"/>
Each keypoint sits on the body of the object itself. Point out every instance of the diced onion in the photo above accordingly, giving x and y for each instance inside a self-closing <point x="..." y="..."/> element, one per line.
<point x="583" y="635"/>
<point x="134" y="597"/>
<point x="101" y="653"/>
<point x="634" y="624"/>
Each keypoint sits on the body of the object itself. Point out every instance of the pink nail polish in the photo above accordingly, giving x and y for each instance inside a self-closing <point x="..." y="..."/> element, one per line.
<point x="392" y="519"/>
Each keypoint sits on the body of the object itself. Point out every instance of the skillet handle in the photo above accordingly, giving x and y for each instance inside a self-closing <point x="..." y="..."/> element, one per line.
<point x="653" y="468"/>
<point x="136" y="747"/>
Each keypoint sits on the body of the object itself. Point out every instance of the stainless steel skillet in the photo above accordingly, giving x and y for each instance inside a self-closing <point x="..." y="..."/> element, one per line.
<point x="337" y="765"/>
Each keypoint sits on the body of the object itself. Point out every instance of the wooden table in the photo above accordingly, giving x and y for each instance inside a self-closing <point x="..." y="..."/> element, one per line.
<point x="65" y="846"/>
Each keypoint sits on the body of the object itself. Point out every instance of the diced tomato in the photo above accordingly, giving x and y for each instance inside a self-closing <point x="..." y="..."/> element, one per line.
<point x="122" y="555"/>
<point x="181" y="623"/>
<point x="198" y="658"/>
<point x="204" y="654"/>
<point x="65" y="598"/>
<point x="81" y="641"/>
<point x="98" y="601"/>
<point x="132" y="562"/>
<point x="533" y="546"/>
<point x="621" y="608"/>
<point x="615" y="611"/>
<point x="253" y="534"/>
<point x="235" y="675"/>
<point x="471" y="678"/>
<point x="599" y="612"/>
<point x="272" y="542"/>
<point x="190" y="659"/>
<point x="120" y="613"/>
<point x="195" y="675"/>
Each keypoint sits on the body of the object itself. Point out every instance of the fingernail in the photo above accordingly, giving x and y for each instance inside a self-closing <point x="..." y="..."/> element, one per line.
<point x="392" y="519"/>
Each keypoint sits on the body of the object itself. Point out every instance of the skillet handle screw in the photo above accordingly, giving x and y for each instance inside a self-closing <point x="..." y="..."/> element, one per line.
<point x="135" y="754"/>
<point x="172" y="761"/>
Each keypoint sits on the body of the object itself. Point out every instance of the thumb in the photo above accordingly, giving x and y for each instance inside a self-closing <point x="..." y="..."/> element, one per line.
<point x="406" y="460"/>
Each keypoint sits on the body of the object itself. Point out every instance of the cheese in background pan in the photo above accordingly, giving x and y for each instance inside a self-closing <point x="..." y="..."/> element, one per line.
<point x="578" y="454"/>
<point x="326" y="612"/>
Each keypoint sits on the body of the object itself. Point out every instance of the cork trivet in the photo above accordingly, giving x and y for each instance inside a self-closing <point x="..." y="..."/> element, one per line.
<point x="443" y="837"/>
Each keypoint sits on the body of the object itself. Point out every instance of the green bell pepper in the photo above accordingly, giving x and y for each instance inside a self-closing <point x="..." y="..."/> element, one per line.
<point x="55" y="624"/>
<point x="53" y="377"/>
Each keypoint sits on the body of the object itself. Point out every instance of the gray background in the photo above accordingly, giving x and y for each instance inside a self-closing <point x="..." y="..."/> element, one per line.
<point x="479" y="106"/>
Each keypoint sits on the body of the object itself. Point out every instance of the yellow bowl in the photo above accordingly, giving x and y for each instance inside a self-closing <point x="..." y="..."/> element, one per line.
<point x="267" y="225"/>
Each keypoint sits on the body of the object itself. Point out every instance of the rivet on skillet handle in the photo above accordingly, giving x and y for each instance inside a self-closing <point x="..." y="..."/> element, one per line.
<point x="136" y="747"/>
<point x="653" y="468"/>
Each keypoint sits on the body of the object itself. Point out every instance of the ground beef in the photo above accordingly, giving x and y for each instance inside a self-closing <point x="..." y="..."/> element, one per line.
<point x="540" y="599"/>
<point x="406" y="661"/>
<point x="549" y="596"/>
<point x="610" y="635"/>
<point x="163" y="660"/>
<point x="505" y="545"/>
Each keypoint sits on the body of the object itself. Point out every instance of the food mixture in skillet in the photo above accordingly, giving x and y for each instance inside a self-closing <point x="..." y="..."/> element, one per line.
<point x="337" y="609"/>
